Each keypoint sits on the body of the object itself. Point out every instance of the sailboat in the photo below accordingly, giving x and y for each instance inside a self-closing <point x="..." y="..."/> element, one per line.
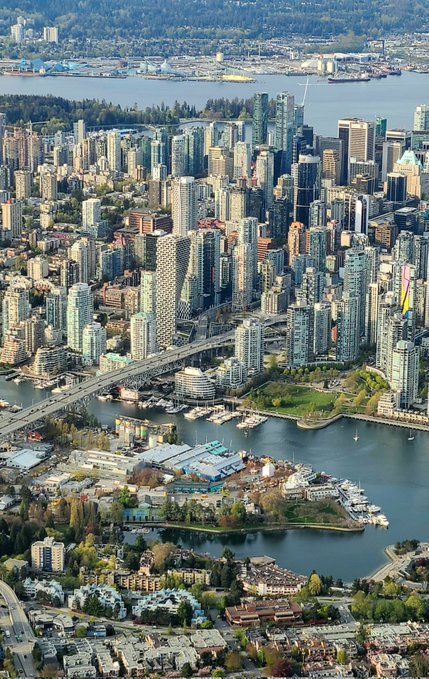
<point x="356" y="436"/>
<point x="411" y="436"/>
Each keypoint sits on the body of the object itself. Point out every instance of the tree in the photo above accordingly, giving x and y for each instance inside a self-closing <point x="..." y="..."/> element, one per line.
<point x="187" y="670"/>
<point x="185" y="613"/>
<point x="162" y="551"/>
<point x="342" y="657"/>
<point x="233" y="662"/>
<point x="314" y="585"/>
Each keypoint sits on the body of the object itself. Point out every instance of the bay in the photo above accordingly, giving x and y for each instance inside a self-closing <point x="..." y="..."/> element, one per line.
<point x="393" y="471"/>
<point x="393" y="97"/>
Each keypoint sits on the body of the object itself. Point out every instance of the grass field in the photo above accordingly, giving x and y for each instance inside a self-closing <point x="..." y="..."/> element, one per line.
<point x="290" y="399"/>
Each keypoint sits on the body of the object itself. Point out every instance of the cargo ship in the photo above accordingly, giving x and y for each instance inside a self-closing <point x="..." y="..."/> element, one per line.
<point x="364" y="78"/>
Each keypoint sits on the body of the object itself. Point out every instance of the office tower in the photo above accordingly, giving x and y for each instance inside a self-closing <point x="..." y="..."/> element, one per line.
<point x="404" y="380"/>
<point x="114" y="151"/>
<point x="260" y="119"/>
<point x="279" y="218"/>
<point x="366" y="168"/>
<point x="56" y="308"/>
<point x="23" y="181"/>
<point x="194" y="151"/>
<point x="396" y="187"/>
<point x="79" y="131"/>
<point x="421" y="118"/>
<point x="143" y="335"/>
<point x="172" y="259"/>
<point x="69" y="273"/>
<point x="311" y="288"/>
<point x="322" y="328"/>
<point x="358" y="137"/>
<point x="243" y="267"/>
<point x="84" y="254"/>
<point x="299" y="335"/>
<point x="380" y="127"/>
<point x="346" y="312"/>
<point x="391" y="153"/>
<point x="249" y="345"/>
<point x="12" y="219"/>
<point x="331" y="166"/>
<point x="148" y="292"/>
<point x="285" y="128"/>
<point x="48" y="555"/>
<point x="307" y="186"/>
<point x="242" y="157"/>
<point x="91" y="212"/>
<point x="79" y="314"/>
<point x="178" y="156"/>
<point x="264" y="173"/>
<point x="183" y="205"/>
<point x="356" y="280"/>
<point x="15" y="308"/>
<point x="93" y="343"/>
<point x="48" y="183"/>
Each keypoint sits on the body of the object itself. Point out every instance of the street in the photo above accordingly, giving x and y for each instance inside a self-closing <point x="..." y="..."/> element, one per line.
<point x="16" y="623"/>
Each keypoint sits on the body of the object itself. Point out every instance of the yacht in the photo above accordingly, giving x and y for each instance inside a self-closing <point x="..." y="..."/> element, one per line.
<point x="356" y="436"/>
<point x="411" y="436"/>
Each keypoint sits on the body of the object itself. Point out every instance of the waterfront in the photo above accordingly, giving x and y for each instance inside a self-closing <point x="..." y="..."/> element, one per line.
<point x="393" y="471"/>
<point x="393" y="97"/>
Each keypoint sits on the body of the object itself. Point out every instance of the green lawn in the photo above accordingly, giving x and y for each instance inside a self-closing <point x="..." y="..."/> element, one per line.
<point x="294" y="400"/>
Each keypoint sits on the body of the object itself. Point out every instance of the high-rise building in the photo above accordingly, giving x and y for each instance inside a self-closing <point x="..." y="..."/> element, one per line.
<point x="264" y="173"/>
<point x="93" y="343"/>
<point x="15" y="308"/>
<point x="404" y="379"/>
<point x="48" y="183"/>
<point x="91" y="212"/>
<point x="306" y="174"/>
<point x="421" y="118"/>
<point x="242" y="158"/>
<point x="50" y="34"/>
<point x="79" y="314"/>
<point x="356" y="281"/>
<point x="396" y="188"/>
<point x="346" y="312"/>
<point x="12" y="219"/>
<point x="331" y="165"/>
<point x="299" y="335"/>
<point x="249" y="345"/>
<point x="23" y="184"/>
<point x="172" y="259"/>
<point x="83" y="252"/>
<point x="38" y="267"/>
<point x="285" y="128"/>
<point x="79" y="131"/>
<point x="143" y="335"/>
<point x="184" y="205"/>
<point x="243" y="267"/>
<point x="296" y="241"/>
<point x="56" y="308"/>
<point x="178" y="156"/>
<point x="48" y="555"/>
<point x="391" y="153"/>
<point x="358" y="137"/>
<point x="322" y="328"/>
<point x="260" y="119"/>
<point x="148" y="292"/>
<point x="114" y="155"/>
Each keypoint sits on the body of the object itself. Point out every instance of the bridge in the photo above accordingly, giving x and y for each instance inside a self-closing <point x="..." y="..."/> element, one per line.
<point x="133" y="375"/>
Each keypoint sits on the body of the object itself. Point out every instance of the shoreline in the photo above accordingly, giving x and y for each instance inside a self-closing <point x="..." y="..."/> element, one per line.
<point x="248" y="529"/>
<point x="321" y="424"/>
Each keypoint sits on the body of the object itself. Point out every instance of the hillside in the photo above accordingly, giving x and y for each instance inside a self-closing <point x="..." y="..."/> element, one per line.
<point x="110" y="19"/>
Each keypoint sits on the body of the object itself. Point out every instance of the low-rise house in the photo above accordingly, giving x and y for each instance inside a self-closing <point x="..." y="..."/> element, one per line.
<point x="282" y="612"/>
<point x="107" y="596"/>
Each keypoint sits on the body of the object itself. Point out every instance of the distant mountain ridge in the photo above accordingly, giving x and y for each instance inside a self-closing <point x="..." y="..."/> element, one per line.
<point x="107" y="19"/>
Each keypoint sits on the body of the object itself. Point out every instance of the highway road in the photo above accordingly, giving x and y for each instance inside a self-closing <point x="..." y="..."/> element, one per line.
<point x="19" y="628"/>
<point x="10" y="423"/>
